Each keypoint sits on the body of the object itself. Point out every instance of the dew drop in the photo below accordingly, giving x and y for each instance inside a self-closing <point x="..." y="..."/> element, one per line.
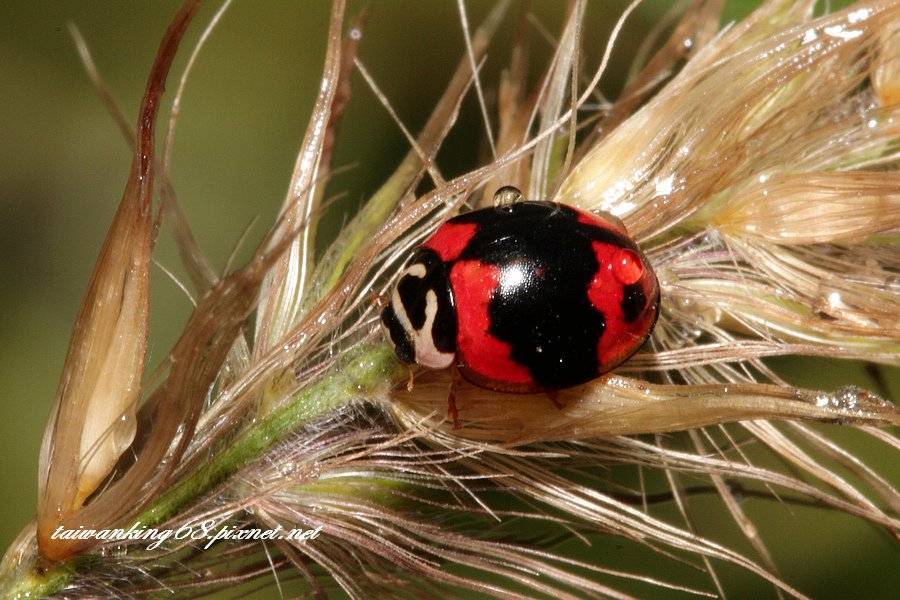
<point x="507" y="195"/>
<point x="627" y="267"/>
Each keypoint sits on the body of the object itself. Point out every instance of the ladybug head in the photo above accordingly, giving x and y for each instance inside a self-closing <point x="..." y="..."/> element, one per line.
<point x="419" y="320"/>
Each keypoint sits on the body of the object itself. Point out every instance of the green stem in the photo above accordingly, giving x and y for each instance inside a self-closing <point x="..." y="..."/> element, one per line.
<point x="362" y="372"/>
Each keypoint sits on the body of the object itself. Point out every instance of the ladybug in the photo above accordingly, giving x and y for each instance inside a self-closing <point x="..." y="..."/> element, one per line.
<point x="524" y="297"/>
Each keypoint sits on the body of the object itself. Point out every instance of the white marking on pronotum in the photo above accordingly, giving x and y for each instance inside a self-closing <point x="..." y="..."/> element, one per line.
<point x="427" y="353"/>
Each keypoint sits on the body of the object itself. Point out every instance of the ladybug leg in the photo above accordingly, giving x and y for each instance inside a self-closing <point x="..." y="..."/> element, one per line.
<point x="411" y="380"/>
<point x="452" y="411"/>
<point x="553" y="396"/>
<point x="379" y="301"/>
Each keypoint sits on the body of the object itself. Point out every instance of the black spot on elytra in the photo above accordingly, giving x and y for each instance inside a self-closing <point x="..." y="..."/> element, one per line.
<point x="546" y="317"/>
<point x="633" y="302"/>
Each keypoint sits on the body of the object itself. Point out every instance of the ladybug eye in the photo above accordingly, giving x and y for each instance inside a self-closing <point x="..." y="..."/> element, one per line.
<point x="627" y="267"/>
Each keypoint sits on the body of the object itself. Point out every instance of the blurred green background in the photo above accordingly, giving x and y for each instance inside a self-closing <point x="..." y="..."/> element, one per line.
<point x="63" y="164"/>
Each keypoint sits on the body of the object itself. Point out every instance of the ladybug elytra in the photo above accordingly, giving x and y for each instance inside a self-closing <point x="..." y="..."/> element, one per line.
<point x="524" y="297"/>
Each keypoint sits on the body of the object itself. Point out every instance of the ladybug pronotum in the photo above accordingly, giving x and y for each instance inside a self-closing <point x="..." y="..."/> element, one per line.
<point x="524" y="297"/>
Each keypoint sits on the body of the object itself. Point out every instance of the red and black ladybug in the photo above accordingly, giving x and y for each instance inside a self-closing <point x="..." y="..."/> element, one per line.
<point x="524" y="297"/>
